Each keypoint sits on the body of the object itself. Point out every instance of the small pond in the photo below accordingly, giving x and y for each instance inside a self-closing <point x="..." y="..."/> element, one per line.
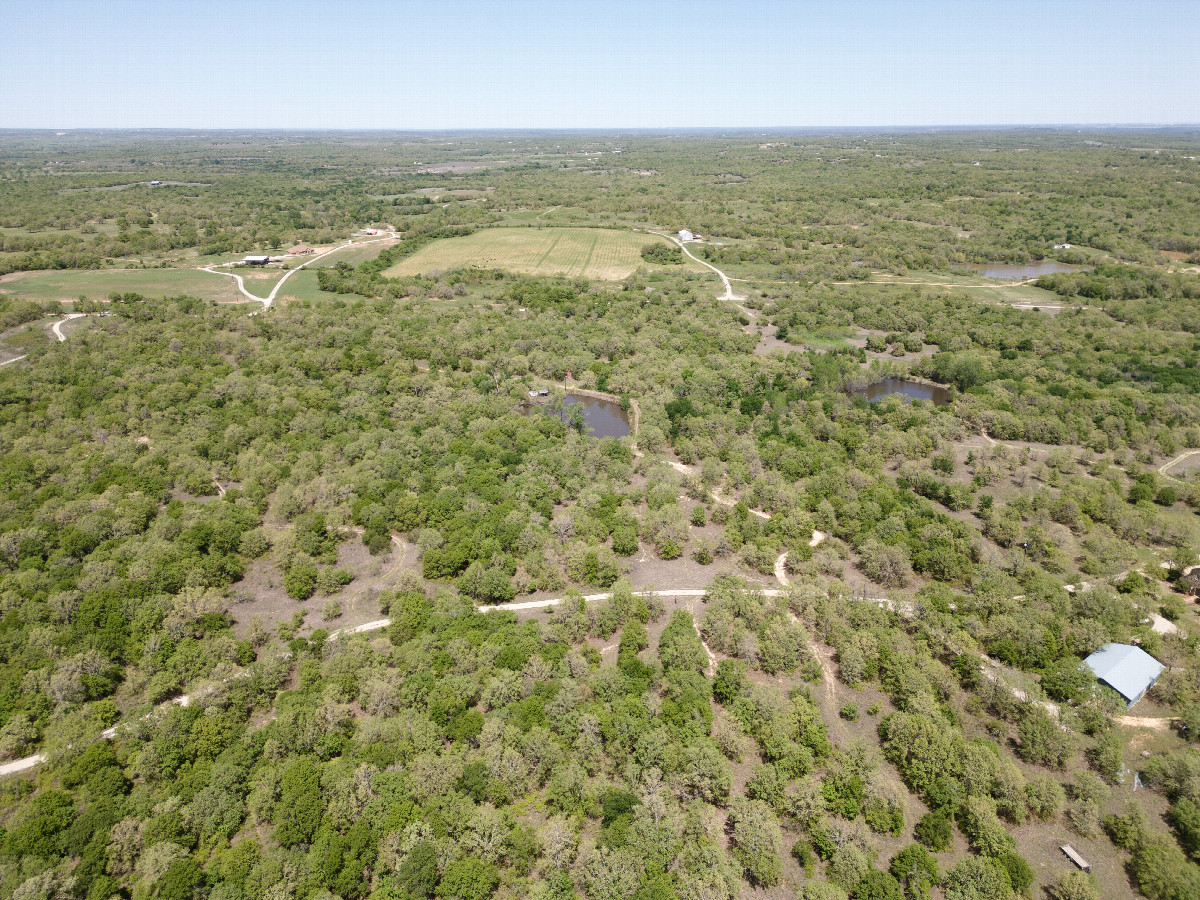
<point x="603" y="418"/>
<point x="908" y="390"/>
<point x="1023" y="270"/>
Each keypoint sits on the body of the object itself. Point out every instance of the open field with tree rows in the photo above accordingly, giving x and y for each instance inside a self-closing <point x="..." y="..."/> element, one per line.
<point x="566" y="252"/>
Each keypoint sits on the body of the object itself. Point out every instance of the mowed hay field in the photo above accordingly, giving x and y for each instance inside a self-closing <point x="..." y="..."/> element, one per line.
<point x="97" y="284"/>
<point x="573" y="252"/>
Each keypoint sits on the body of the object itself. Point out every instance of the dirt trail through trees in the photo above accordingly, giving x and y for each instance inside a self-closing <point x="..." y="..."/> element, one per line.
<point x="1162" y="470"/>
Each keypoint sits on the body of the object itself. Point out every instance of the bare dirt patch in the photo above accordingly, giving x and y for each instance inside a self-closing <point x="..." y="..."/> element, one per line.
<point x="768" y="344"/>
<point x="262" y="587"/>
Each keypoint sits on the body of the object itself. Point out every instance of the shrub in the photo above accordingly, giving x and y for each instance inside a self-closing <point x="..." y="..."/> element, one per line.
<point x="625" y="540"/>
<point x="298" y="814"/>
<point x="1073" y="886"/>
<point x="916" y="870"/>
<point x="330" y="580"/>
<point x="1020" y="874"/>
<point x="1042" y="741"/>
<point x="730" y="681"/>
<point x="1161" y="870"/>
<point x="767" y="784"/>
<point x="418" y="874"/>
<point x="876" y="885"/>
<point x="935" y="831"/>
<point x="756" y="840"/>
<point x="1044" y="797"/>
<point x="300" y="582"/>
<point x="848" y="866"/>
<point x="978" y="878"/>
<point x="983" y="828"/>
<point x="469" y="879"/>
<point x="1166" y="496"/>
<point x="1141" y="493"/>
<point x="884" y="815"/>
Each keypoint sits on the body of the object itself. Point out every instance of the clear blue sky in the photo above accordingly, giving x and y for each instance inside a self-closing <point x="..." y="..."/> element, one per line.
<point x="595" y="63"/>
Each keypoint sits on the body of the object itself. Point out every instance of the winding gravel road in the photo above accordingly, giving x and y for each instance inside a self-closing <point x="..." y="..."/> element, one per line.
<point x="268" y="300"/>
<point x="729" y="295"/>
<point x="57" y="326"/>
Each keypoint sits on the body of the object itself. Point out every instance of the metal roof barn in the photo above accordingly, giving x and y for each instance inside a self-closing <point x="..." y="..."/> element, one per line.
<point x="1128" y="670"/>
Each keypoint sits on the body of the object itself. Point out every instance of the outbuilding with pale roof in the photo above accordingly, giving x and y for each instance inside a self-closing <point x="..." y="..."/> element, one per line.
<point x="1128" y="670"/>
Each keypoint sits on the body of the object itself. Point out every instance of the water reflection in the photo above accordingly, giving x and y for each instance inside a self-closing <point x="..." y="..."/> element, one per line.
<point x="1024" y="270"/>
<point x="602" y="418"/>
<point x="910" y="390"/>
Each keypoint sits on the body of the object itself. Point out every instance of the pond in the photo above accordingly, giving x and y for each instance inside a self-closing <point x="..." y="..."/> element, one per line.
<point x="1023" y="270"/>
<point x="908" y="390"/>
<point x="603" y="418"/>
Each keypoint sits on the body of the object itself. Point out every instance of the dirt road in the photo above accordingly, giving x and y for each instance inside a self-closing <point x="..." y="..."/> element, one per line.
<point x="1162" y="470"/>
<point x="57" y="326"/>
<point x="717" y="498"/>
<point x="267" y="301"/>
<point x="729" y="295"/>
<point x="20" y="765"/>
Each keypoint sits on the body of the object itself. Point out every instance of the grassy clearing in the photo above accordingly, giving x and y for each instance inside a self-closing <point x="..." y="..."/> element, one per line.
<point x="982" y="289"/>
<point x="573" y="252"/>
<point x="352" y="255"/>
<point x="98" y="284"/>
<point x="823" y="340"/>
<point x="977" y="286"/>
<point x="38" y="231"/>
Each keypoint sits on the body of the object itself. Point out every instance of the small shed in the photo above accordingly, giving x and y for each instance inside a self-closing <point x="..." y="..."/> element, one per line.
<point x="1128" y="670"/>
<point x="256" y="260"/>
<point x="1192" y="577"/>
<point x="685" y="235"/>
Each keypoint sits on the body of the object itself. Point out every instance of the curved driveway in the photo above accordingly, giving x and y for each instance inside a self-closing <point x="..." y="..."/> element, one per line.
<point x="268" y="300"/>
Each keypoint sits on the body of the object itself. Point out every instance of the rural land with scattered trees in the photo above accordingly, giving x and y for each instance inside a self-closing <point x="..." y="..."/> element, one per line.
<point x="604" y="516"/>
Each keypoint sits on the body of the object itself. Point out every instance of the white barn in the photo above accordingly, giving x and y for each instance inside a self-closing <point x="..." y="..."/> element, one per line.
<point x="685" y="235"/>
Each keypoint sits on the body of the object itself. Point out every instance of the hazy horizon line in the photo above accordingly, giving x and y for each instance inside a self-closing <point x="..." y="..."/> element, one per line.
<point x="62" y="130"/>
